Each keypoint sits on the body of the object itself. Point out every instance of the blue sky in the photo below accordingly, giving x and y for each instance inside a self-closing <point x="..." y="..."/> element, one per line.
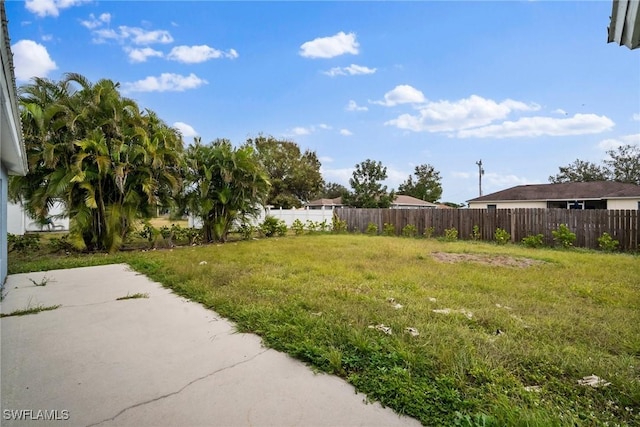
<point x="525" y="86"/>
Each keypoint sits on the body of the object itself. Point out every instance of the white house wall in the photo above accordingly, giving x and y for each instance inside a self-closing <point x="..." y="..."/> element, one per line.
<point x="509" y="205"/>
<point x="623" y="203"/>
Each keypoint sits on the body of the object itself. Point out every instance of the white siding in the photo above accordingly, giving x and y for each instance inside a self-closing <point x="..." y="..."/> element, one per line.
<point x="623" y="203"/>
<point x="509" y="205"/>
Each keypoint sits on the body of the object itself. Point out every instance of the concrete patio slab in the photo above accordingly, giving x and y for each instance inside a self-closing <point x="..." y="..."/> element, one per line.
<point x="156" y="361"/>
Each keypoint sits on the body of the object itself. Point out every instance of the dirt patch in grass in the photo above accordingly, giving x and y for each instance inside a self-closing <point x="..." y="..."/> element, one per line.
<point x="499" y="260"/>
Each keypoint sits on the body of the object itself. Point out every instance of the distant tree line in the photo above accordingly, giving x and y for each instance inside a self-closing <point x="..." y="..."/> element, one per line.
<point x="623" y="165"/>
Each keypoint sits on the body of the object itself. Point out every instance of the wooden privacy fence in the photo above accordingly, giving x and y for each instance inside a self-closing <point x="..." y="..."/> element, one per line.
<point x="622" y="225"/>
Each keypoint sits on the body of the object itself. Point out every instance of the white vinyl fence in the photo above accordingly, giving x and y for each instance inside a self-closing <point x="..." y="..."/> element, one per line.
<point x="286" y="215"/>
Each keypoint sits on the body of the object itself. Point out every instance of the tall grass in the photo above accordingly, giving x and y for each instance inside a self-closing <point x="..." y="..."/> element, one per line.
<point x="509" y="352"/>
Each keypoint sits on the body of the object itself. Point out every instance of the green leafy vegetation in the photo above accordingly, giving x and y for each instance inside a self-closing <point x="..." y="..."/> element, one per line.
<point x="501" y="236"/>
<point x="533" y="241"/>
<point x="607" y="243"/>
<point x="563" y="236"/>
<point x="137" y="295"/>
<point x="450" y="234"/>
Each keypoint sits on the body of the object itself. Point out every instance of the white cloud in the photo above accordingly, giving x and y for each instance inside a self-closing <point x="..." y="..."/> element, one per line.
<point x="351" y="70"/>
<point x="496" y="180"/>
<point x="579" y="124"/>
<point x="31" y="60"/>
<point x="401" y="94"/>
<point x="300" y="131"/>
<point x="166" y="82"/>
<point x="346" y="132"/>
<point x="448" y="116"/>
<point x="325" y="159"/>
<point x="196" y="54"/>
<point x="44" y="8"/>
<point x="329" y="47"/>
<point x="135" y="35"/>
<point x="141" y="55"/>
<point x="186" y="130"/>
<point x="323" y="126"/>
<point x="636" y="117"/>
<point x="612" y="144"/>
<point x="339" y="176"/>
<point x="353" y="106"/>
<point x="560" y="111"/>
<point x="47" y="37"/>
<point x="463" y="175"/>
<point x="94" y="22"/>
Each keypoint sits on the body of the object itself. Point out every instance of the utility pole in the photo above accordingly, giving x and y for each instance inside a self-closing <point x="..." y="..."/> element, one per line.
<point x="480" y="173"/>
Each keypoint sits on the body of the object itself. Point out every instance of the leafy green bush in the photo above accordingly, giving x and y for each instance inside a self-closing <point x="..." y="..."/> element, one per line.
<point x="475" y="234"/>
<point x="246" y="230"/>
<point x="150" y="233"/>
<point x="311" y="226"/>
<point x="339" y="225"/>
<point x="372" y="229"/>
<point x="322" y="225"/>
<point x="451" y="234"/>
<point x="389" y="229"/>
<point x="501" y="236"/>
<point x="61" y="245"/>
<point x="273" y="226"/>
<point x="23" y="244"/>
<point x="607" y="243"/>
<point x="428" y="232"/>
<point x="564" y="236"/>
<point x="409" y="230"/>
<point x="533" y="241"/>
<point x="298" y="227"/>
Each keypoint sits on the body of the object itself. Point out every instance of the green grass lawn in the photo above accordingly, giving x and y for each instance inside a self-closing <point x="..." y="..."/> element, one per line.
<point x="509" y="351"/>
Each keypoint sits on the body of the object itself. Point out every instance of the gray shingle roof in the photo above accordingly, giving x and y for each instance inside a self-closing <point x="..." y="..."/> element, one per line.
<point x="565" y="191"/>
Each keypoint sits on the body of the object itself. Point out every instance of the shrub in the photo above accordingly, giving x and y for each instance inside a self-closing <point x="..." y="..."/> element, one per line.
<point x="501" y="236"/>
<point x="451" y="234"/>
<point x="194" y="235"/>
<point x="23" y="244"/>
<point x="409" y="230"/>
<point x="339" y="225"/>
<point x="150" y="233"/>
<point x="311" y="226"/>
<point x="533" y="241"/>
<point x="322" y="226"/>
<point x="372" y="229"/>
<point x="564" y="236"/>
<point x="428" y="232"/>
<point x="389" y="229"/>
<point x="475" y="234"/>
<point x="61" y="245"/>
<point x="246" y="230"/>
<point x="607" y="243"/>
<point x="272" y="226"/>
<point x="298" y="227"/>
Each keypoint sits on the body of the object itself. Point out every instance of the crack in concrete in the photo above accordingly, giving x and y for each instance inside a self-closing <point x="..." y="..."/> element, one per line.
<point x="173" y="393"/>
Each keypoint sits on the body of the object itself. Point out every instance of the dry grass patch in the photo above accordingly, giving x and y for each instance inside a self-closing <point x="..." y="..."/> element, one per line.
<point x="498" y="260"/>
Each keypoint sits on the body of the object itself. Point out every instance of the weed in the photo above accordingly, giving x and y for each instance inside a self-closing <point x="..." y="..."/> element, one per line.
<point x="428" y="232"/>
<point x="564" y="236"/>
<point x="389" y="229"/>
<point x="607" y="243"/>
<point x="298" y="227"/>
<point x="133" y="296"/>
<point x="43" y="282"/>
<point x="533" y="241"/>
<point x="339" y="225"/>
<point x="409" y="230"/>
<point x="272" y="226"/>
<point x="372" y="229"/>
<point x="475" y="234"/>
<point x="501" y="236"/>
<point x="450" y="234"/>
<point x="30" y="310"/>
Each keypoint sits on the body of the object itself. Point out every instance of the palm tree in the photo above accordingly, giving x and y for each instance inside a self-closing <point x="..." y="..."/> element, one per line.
<point x="107" y="161"/>
<point x="224" y="184"/>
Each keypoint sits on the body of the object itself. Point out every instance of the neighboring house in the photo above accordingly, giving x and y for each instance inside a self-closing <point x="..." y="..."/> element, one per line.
<point x="400" y="202"/>
<point x="624" y="28"/>
<point x="570" y="195"/>
<point x="19" y="221"/>
<point x="13" y="158"/>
